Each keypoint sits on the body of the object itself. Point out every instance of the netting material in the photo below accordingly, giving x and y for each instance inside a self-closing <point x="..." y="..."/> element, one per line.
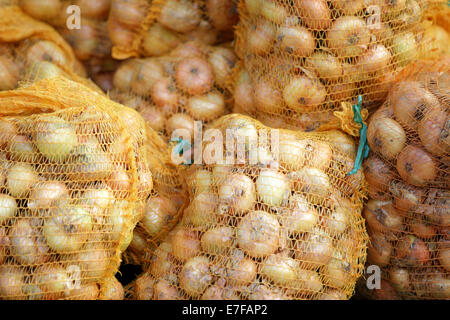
<point x="32" y="50"/>
<point x="282" y="228"/>
<point x="305" y="57"/>
<point x="408" y="176"/>
<point x="152" y="28"/>
<point x="73" y="184"/>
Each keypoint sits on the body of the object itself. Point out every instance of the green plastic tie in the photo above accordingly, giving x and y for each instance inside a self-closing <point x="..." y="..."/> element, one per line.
<point x="181" y="146"/>
<point x="363" y="147"/>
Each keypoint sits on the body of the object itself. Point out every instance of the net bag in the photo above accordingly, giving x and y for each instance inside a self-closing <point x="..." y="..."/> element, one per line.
<point x="305" y="57"/>
<point x="264" y="227"/>
<point x="73" y="182"/>
<point x="143" y="28"/>
<point x="32" y="50"/>
<point x="174" y="91"/>
<point x="407" y="214"/>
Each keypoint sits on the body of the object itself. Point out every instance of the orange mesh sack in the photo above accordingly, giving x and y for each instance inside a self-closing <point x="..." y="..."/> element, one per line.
<point x="264" y="227"/>
<point x="153" y="28"/>
<point x="73" y="182"/>
<point x="408" y="176"/>
<point x="173" y="91"/>
<point x="304" y="57"/>
<point x="32" y="50"/>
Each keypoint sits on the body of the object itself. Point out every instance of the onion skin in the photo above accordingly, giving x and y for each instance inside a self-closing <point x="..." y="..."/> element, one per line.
<point x="377" y="58"/>
<point x="404" y="48"/>
<point x="386" y="137"/>
<point x="160" y="214"/>
<point x="406" y="197"/>
<point x="223" y="14"/>
<point x="88" y="291"/>
<point x="195" y="276"/>
<point x="180" y="121"/>
<point x="433" y="132"/>
<point x="348" y="37"/>
<point x="260" y="37"/>
<point x="381" y="216"/>
<point x="164" y="93"/>
<point x="129" y="13"/>
<point x="348" y="7"/>
<point x="258" y="234"/>
<point x="46" y="51"/>
<point x="444" y="255"/>
<point x="42" y="9"/>
<point x="316" y="250"/>
<point x="273" y="188"/>
<point x="303" y="93"/>
<point x="301" y="218"/>
<point x="159" y="40"/>
<point x="94" y="9"/>
<point x="416" y="166"/>
<point x="267" y="97"/>
<point x="314" y="13"/>
<point x="185" y="244"/>
<point x="218" y="240"/>
<point x="180" y="16"/>
<point x="164" y="291"/>
<point x="378" y="175"/>
<point x="412" y="251"/>
<point x="146" y="73"/>
<point x="8" y="208"/>
<point x="325" y="65"/>
<point x="296" y="40"/>
<point x="238" y="192"/>
<point x="400" y="279"/>
<point x="380" y="250"/>
<point x="194" y="76"/>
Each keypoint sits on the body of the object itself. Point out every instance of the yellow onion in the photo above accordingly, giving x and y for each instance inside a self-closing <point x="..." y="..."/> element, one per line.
<point x="348" y="36"/>
<point x="303" y="93"/>
<point x="314" y="13"/>
<point x="180" y="15"/>
<point x="158" y="40"/>
<point x="386" y="136"/>
<point x="296" y="40"/>
<point x="28" y="246"/>
<point x="206" y="107"/>
<point x="195" y="276"/>
<point x="42" y="9"/>
<point x="273" y="188"/>
<point x="9" y="74"/>
<point x="20" y="178"/>
<point x="416" y="166"/>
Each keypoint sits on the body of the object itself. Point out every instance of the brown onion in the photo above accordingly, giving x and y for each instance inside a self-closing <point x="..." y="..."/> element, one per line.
<point x="194" y="76"/>
<point x="412" y="251"/>
<point x="433" y="132"/>
<point x="159" y="40"/>
<point x="222" y="14"/>
<point x="303" y="93"/>
<point x="325" y="65"/>
<point x="180" y="15"/>
<point x="9" y="73"/>
<point x="314" y="13"/>
<point x="416" y="166"/>
<point x="348" y="36"/>
<point x="206" y="107"/>
<point x="128" y="12"/>
<point x="386" y="137"/>
<point x="94" y="9"/>
<point x="147" y="72"/>
<point x="42" y="9"/>
<point x="380" y="250"/>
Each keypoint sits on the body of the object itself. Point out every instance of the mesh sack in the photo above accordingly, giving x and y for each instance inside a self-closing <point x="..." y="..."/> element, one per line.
<point x="173" y="91"/>
<point x="305" y="57"/>
<point x="407" y="172"/>
<point x="153" y="28"/>
<point x="32" y="50"/>
<point x="73" y="183"/>
<point x="266" y="228"/>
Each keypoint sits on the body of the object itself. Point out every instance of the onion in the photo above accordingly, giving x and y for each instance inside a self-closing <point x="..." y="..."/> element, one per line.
<point x="386" y="137"/>
<point x="412" y="251"/>
<point x="337" y="221"/>
<point x="20" y="178"/>
<point x="377" y="58"/>
<point x="267" y="98"/>
<point x="411" y="101"/>
<point x="4" y="244"/>
<point x="43" y="70"/>
<point x="444" y="255"/>
<point x="27" y="245"/>
<point x="12" y="281"/>
<point x="308" y="281"/>
<point x="159" y="40"/>
<point x="312" y="181"/>
<point x="258" y="291"/>
<point x="406" y="197"/>
<point x="433" y="132"/>
<point x="348" y="36"/>
<point x="400" y="279"/>
<point x="124" y="75"/>
<point x="180" y="15"/>
<point x="348" y="7"/>
<point x="206" y="107"/>
<point x="381" y="216"/>
<point x="242" y="270"/>
<point x="164" y="93"/>
<point x="88" y="291"/>
<point x="258" y="234"/>
<point x="223" y="14"/>
<point x="338" y="272"/>
<point x="435" y="285"/>
<point x="280" y="269"/>
<point x="94" y="9"/>
<point x="314" y="13"/>
<point x="119" y="35"/>
<point x="260" y="37"/>
<point x="316" y="249"/>
<point x="416" y="166"/>
<point x="434" y="42"/>
<point x="53" y="281"/>
<point x="380" y="250"/>
<point x="88" y="41"/>
<point x="378" y="175"/>
<point x="238" y="193"/>
<point x="219" y="292"/>
<point x="143" y="287"/>
<point x="8" y="208"/>
<point x="222" y="60"/>
<point x="300" y="217"/>
<point x="47" y="194"/>
<point x="244" y="101"/>
<point x="160" y="214"/>
<point x="333" y="294"/>
<point x="195" y="276"/>
<point x="292" y="151"/>
<point x="111" y="289"/>
<point x="325" y="65"/>
<point x="154" y="117"/>
<point x="67" y="229"/>
<point x="409" y="16"/>
<point x="164" y="291"/>
<point x="22" y="149"/>
<point x="296" y="40"/>
<point x="8" y="131"/>
<point x="55" y="138"/>
<point x="46" y="51"/>
<point x="148" y="71"/>
<point x="201" y="211"/>
<point x="9" y="74"/>
<point x="273" y="188"/>
<point x="42" y="9"/>
<point x="180" y="121"/>
<point x="253" y="6"/>
<point x="205" y="33"/>
<point x="194" y="76"/>
<point x="217" y="241"/>
<point x="303" y="93"/>
<point x="423" y="229"/>
<point x="185" y="244"/>
<point x="404" y="48"/>
<point x="273" y="11"/>
<point x="128" y="12"/>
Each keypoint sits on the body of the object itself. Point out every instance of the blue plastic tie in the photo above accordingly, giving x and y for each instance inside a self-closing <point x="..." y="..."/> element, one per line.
<point x="363" y="147"/>
<point x="180" y="147"/>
